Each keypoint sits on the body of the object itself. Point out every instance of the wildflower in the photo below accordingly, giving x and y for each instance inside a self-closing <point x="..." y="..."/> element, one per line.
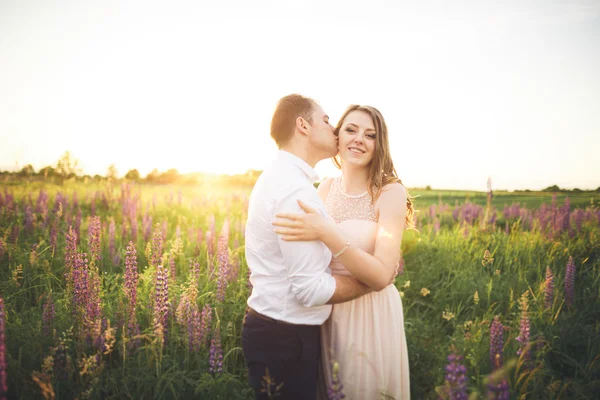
<point x="447" y="315"/>
<point x="48" y="315"/>
<point x="496" y="343"/>
<point x="487" y="258"/>
<point x="548" y="288"/>
<point x="205" y="324"/>
<point x="224" y="262"/>
<point x="406" y="285"/>
<point x="425" y="292"/>
<point x="216" y="353"/>
<point x="94" y="238"/>
<point x="524" y="327"/>
<point x="335" y="391"/>
<point x="455" y="378"/>
<point x="476" y="297"/>
<point x="157" y="245"/>
<point x="570" y="282"/>
<point x="131" y="282"/>
<point x="497" y="272"/>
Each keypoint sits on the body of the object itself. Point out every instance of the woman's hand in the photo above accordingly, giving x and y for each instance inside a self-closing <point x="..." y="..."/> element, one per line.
<point x="301" y="227"/>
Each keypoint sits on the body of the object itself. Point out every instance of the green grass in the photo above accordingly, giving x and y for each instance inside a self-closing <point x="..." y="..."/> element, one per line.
<point x="566" y="352"/>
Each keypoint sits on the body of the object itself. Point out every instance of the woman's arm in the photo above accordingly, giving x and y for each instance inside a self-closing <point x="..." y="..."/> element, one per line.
<point x="377" y="270"/>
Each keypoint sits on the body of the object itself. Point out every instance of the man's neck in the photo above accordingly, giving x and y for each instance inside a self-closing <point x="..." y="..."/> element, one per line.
<point x="300" y="152"/>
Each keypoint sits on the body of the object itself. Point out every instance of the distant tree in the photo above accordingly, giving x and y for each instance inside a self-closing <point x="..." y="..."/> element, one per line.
<point x="132" y="175"/>
<point x="67" y="166"/>
<point x="577" y="190"/>
<point x="112" y="173"/>
<point x="27" y="171"/>
<point x="598" y="190"/>
<point x="170" y="176"/>
<point x="153" y="176"/>
<point x="553" y="188"/>
<point x="47" y="172"/>
<point x="428" y="187"/>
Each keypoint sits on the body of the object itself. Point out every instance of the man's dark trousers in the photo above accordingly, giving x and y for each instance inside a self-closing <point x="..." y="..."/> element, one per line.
<point x="291" y="354"/>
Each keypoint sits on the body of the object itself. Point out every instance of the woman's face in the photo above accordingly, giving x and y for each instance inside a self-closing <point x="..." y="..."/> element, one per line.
<point x="357" y="138"/>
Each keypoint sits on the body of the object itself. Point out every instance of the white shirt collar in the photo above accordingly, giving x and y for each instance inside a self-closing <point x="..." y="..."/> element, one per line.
<point x="300" y="163"/>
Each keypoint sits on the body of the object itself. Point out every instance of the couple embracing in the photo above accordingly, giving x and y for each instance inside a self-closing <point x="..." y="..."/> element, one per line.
<point x="323" y="261"/>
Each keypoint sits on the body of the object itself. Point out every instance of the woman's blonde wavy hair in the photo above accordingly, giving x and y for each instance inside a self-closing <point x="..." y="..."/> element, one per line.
<point x="382" y="171"/>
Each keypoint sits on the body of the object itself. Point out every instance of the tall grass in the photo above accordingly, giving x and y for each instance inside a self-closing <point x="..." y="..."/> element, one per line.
<point x="472" y="261"/>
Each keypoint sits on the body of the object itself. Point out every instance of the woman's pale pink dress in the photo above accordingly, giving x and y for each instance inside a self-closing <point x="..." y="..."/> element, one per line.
<point x="364" y="336"/>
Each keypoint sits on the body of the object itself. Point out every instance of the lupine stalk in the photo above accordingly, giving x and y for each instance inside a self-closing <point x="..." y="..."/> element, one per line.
<point x="215" y="353"/>
<point x="570" y="282"/>
<point x="94" y="229"/>
<point x="496" y="343"/>
<point x="161" y="300"/>
<point x="455" y="379"/>
<point x="111" y="240"/>
<point x="524" y="329"/>
<point x="548" y="288"/>
<point x="131" y="282"/>
<point x="48" y="315"/>
<point x="224" y="262"/>
<point x="157" y="245"/>
<point x="205" y="323"/>
<point x="336" y="390"/>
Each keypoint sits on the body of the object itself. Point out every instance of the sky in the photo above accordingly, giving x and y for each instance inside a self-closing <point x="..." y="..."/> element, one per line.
<point x="469" y="90"/>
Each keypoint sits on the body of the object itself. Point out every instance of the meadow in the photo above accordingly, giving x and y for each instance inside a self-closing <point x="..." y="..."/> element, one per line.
<point x="131" y="291"/>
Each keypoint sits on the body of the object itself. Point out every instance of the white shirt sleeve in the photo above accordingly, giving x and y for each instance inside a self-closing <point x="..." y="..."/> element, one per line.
<point x="306" y="262"/>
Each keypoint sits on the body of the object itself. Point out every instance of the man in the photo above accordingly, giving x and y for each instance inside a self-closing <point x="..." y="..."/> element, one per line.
<point x="293" y="288"/>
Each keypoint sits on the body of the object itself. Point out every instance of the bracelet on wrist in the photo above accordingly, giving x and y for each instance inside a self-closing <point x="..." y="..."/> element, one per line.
<point x="339" y="253"/>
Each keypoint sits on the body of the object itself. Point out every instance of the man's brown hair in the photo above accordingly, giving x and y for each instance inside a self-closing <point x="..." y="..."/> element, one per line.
<point x="288" y="109"/>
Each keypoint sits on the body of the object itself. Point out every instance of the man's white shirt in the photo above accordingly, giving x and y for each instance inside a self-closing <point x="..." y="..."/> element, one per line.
<point x="291" y="281"/>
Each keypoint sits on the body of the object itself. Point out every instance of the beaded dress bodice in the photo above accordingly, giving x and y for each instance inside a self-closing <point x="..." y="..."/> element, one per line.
<point x="355" y="216"/>
<point x="343" y="207"/>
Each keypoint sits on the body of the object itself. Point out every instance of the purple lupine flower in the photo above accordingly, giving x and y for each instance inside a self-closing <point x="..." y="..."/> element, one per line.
<point x="578" y="218"/>
<point x="400" y="268"/>
<point x="432" y="211"/>
<point x="496" y="343"/>
<point x="29" y="223"/>
<point x="157" y="246"/>
<point x="14" y="234"/>
<point x="205" y="323"/>
<point x="498" y="391"/>
<point x="161" y="299"/>
<point x="3" y="377"/>
<point x="70" y="254"/>
<point x="224" y="262"/>
<point x="134" y="229"/>
<point x="164" y="230"/>
<point x="178" y="232"/>
<point x="336" y="390"/>
<point x="455" y="378"/>
<point x="570" y="282"/>
<point x="524" y="330"/>
<point x="94" y="229"/>
<point x="48" y="315"/>
<point x="548" y="288"/>
<point x="111" y="239"/>
<point x="216" y="353"/>
<point x="147" y="226"/>
<point x="436" y="225"/>
<point x="131" y="279"/>
<point x="77" y="223"/>
<point x="195" y="269"/>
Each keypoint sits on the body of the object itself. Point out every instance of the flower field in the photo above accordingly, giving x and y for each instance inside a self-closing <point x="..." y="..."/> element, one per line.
<point x="128" y="291"/>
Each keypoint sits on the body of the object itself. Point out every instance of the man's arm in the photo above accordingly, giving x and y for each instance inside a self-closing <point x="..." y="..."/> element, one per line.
<point x="347" y="288"/>
<point x="307" y="262"/>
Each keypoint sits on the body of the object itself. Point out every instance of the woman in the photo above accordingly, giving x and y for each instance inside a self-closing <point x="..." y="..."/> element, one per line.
<point x="371" y="209"/>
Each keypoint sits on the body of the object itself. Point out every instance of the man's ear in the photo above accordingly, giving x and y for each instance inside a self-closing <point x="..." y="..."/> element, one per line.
<point x="302" y="125"/>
